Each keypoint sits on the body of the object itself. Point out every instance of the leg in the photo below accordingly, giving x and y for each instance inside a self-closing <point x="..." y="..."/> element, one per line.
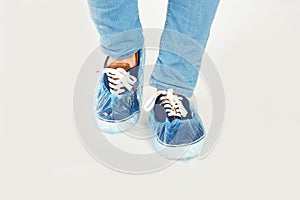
<point x="118" y="24"/>
<point x="182" y="44"/>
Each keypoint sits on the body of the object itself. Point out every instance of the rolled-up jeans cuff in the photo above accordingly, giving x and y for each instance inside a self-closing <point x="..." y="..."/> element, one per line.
<point x="124" y="44"/>
<point x="185" y="90"/>
<point x="183" y="46"/>
<point x="178" y="63"/>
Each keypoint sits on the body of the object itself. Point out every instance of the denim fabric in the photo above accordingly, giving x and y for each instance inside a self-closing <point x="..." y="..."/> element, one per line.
<point x="182" y="43"/>
<point x="118" y="24"/>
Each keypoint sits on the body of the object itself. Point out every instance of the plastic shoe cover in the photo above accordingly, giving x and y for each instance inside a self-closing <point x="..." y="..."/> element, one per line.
<point x="177" y="129"/>
<point x="117" y="98"/>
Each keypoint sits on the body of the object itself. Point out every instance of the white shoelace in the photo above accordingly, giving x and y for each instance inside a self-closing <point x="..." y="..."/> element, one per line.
<point x="171" y="102"/>
<point x="118" y="79"/>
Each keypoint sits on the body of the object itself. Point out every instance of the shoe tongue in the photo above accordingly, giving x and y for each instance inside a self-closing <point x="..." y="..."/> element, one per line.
<point x="171" y="118"/>
<point x="125" y="66"/>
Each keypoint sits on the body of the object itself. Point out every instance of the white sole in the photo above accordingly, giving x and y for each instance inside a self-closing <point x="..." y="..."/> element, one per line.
<point x="116" y="127"/>
<point x="183" y="152"/>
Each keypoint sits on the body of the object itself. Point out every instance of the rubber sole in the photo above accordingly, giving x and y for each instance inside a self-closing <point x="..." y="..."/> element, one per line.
<point x="184" y="152"/>
<point x="116" y="127"/>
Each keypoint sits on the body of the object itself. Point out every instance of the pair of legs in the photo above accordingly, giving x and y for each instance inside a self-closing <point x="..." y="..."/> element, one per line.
<point x="183" y="41"/>
<point x="176" y="126"/>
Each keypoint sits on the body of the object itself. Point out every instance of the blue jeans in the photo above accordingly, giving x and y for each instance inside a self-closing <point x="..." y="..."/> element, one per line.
<point x="182" y="42"/>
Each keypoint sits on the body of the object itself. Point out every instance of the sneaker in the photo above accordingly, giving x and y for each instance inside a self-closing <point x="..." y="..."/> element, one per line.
<point x="118" y="96"/>
<point x="177" y="129"/>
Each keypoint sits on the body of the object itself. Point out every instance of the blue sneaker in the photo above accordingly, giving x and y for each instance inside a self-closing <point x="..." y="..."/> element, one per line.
<point x="177" y="129"/>
<point x="118" y="96"/>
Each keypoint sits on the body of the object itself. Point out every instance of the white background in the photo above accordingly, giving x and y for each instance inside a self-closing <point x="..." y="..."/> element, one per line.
<point x="255" y="46"/>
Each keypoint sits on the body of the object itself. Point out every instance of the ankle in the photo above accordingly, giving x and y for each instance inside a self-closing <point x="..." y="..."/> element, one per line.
<point x="131" y="60"/>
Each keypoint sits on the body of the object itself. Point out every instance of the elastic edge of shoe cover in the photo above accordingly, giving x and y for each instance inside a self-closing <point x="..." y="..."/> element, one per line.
<point x="116" y="127"/>
<point x="180" y="152"/>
